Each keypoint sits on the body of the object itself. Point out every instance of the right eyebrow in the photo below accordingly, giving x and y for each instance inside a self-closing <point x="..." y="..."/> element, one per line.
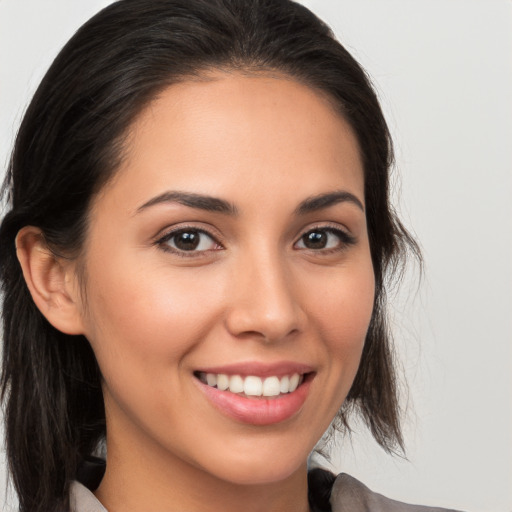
<point x="192" y="200"/>
<point x="322" y="201"/>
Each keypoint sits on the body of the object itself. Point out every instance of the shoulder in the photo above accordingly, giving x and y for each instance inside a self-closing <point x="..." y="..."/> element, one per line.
<point x="349" y="494"/>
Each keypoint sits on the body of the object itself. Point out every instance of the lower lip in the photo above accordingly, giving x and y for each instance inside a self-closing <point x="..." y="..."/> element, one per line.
<point x="257" y="411"/>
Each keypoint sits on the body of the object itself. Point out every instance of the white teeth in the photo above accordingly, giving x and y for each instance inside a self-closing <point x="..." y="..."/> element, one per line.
<point x="271" y="386"/>
<point x="284" y="385"/>
<point x="253" y="385"/>
<point x="236" y="384"/>
<point x="222" y="382"/>
<point x="294" y="382"/>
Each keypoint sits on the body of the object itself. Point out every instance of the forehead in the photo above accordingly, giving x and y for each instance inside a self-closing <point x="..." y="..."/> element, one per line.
<point x="232" y="132"/>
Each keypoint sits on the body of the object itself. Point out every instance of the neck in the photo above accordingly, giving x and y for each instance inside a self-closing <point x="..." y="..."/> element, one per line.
<point x="140" y="480"/>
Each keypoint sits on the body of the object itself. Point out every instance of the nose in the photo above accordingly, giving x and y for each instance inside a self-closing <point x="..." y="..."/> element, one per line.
<point x="264" y="300"/>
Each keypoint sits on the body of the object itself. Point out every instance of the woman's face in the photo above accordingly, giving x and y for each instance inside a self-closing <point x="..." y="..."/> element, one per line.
<point x="230" y="250"/>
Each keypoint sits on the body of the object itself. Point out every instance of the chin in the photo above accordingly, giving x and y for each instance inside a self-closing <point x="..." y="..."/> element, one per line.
<point x="262" y="471"/>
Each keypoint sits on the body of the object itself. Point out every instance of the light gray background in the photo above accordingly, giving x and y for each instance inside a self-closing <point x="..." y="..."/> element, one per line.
<point x="443" y="69"/>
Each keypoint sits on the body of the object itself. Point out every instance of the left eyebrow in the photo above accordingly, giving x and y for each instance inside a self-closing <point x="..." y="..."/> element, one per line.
<point x="321" y="201"/>
<point x="197" y="201"/>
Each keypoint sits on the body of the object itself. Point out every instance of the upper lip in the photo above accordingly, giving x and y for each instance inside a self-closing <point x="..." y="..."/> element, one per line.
<point x="259" y="369"/>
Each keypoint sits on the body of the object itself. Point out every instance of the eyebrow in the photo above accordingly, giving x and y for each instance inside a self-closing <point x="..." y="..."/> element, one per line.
<point x="214" y="204"/>
<point x="322" y="201"/>
<point x="199" y="201"/>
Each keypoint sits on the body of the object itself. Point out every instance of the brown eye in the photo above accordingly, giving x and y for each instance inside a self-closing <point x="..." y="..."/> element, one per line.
<point x="189" y="240"/>
<point x="315" y="240"/>
<point x="319" y="239"/>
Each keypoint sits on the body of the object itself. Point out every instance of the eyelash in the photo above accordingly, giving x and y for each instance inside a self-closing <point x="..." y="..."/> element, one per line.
<point x="162" y="242"/>
<point x="345" y="240"/>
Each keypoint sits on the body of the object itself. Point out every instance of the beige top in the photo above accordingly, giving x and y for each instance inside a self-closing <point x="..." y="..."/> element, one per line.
<point x="348" y="495"/>
<point x="83" y="500"/>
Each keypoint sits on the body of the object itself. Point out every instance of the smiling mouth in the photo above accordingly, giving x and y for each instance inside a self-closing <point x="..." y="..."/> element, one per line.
<point x="252" y="386"/>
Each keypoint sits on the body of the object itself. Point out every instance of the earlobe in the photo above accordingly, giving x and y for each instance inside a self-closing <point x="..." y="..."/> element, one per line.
<point x="51" y="281"/>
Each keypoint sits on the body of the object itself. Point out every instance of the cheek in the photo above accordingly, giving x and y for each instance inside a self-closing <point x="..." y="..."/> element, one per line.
<point x="343" y="316"/>
<point x="346" y="306"/>
<point x="148" y="316"/>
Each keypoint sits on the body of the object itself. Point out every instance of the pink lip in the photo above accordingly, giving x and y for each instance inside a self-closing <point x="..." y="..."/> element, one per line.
<point x="245" y="369"/>
<point x="256" y="411"/>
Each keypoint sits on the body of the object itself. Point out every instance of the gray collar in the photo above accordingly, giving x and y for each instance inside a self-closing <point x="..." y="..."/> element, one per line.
<point x="83" y="500"/>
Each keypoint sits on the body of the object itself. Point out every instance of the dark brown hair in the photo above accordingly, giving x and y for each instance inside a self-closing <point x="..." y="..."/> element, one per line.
<point x="69" y="145"/>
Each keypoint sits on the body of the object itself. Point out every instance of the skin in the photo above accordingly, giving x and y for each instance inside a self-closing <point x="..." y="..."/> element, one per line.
<point x="254" y="292"/>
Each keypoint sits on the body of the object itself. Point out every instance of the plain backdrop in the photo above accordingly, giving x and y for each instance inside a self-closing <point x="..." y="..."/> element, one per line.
<point x="443" y="70"/>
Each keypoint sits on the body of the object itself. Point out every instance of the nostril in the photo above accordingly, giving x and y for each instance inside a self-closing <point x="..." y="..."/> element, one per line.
<point x="250" y="325"/>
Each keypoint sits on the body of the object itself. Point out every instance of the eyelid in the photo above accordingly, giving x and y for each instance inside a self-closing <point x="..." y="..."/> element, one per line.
<point x="346" y="238"/>
<point x="168" y="233"/>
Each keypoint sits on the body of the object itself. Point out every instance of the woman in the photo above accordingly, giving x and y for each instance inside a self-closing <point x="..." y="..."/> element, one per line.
<point x="194" y="263"/>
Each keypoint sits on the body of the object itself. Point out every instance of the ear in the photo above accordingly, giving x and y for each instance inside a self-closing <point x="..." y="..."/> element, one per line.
<point x="51" y="280"/>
